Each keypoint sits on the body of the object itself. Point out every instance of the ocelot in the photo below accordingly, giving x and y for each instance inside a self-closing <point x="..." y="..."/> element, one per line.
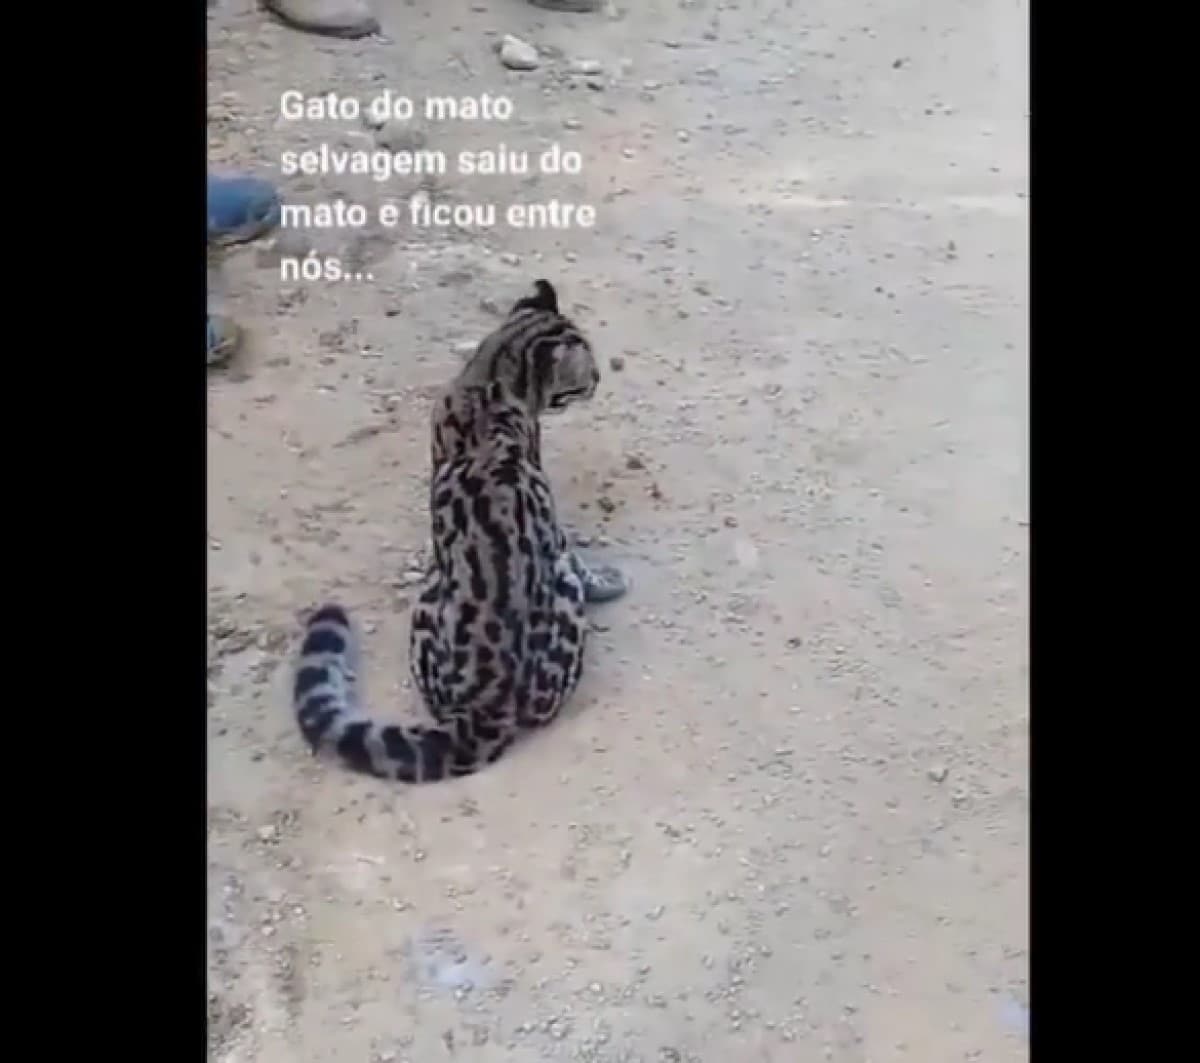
<point x="498" y="632"/>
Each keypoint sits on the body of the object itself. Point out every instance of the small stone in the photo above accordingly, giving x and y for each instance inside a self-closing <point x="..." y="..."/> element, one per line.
<point x="572" y="123"/>
<point x="558" y="1028"/>
<point x="465" y="348"/>
<point x="633" y="463"/>
<point x="731" y="522"/>
<point x="586" y="66"/>
<point x="509" y="259"/>
<point x="606" y="504"/>
<point x="683" y="136"/>
<point x="651" y="86"/>
<point x="939" y="772"/>
<point x="616" y="363"/>
<point x="517" y="54"/>
<point x="897" y="63"/>
<point x="268" y="833"/>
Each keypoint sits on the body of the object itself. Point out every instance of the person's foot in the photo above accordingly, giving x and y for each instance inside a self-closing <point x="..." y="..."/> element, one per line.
<point x="601" y="583"/>
<point x="223" y="339"/>
<point x="330" y="18"/>
<point x="577" y="7"/>
<point x="240" y="208"/>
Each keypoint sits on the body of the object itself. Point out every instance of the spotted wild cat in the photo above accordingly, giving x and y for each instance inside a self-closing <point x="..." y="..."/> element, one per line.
<point x="498" y="632"/>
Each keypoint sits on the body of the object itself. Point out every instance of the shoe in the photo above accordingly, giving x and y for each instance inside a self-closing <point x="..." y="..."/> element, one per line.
<point x="349" y="19"/>
<point x="240" y="209"/>
<point x="575" y="7"/>
<point x="224" y="338"/>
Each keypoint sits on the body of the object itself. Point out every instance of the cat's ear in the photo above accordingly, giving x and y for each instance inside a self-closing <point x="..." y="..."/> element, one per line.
<point x="545" y="298"/>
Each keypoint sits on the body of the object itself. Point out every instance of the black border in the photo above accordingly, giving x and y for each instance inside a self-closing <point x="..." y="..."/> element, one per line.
<point x="1101" y="214"/>
<point x="114" y="167"/>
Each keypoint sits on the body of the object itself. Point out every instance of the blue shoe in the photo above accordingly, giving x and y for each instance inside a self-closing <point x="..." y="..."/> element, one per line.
<point x="223" y="339"/>
<point x="240" y="208"/>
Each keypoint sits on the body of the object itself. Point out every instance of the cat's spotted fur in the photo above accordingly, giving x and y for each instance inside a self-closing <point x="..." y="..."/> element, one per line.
<point x="498" y="632"/>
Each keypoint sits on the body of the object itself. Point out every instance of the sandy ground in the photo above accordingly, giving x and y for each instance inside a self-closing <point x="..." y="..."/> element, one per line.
<point x="786" y="816"/>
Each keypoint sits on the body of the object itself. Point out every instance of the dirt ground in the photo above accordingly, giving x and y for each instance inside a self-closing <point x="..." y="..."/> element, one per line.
<point x="785" y="818"/>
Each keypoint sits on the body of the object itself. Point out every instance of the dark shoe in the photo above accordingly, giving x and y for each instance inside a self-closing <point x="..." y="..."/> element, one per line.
<point x="575" y="7"/>
<point x="349" y="19"/>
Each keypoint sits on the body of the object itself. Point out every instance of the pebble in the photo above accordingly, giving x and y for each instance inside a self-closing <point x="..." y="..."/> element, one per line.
<point x="939" y="772"/>
<point x="509" y="259"/>
<point x="572" y="123"/>
<point x="616" y="363"/>
<point x="465" y="348"/>
<point x="517" y="54"/>
<point x="267" y="833"/>
<point x="683" y="136"/>
<point x="586" y="66"/>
